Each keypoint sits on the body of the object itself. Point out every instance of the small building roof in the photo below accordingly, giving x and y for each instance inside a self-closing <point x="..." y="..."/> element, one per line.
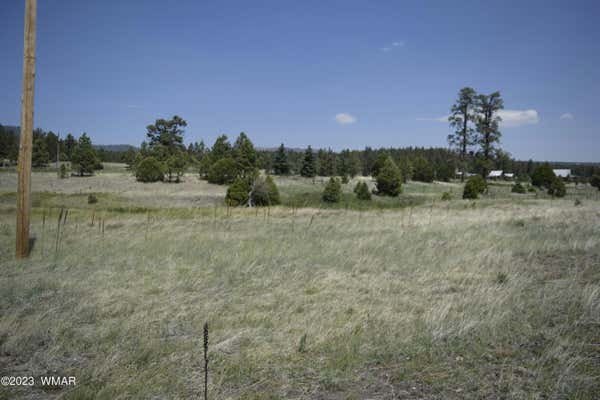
<point x="509" y="175"/>
<point x="495" y="173"/>
<point x="562" y="173"/>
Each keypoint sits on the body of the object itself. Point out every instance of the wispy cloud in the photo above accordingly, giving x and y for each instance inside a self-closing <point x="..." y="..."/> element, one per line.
<point x="514" y="118"/>
<point x="567" y="116"/>
<point x="437" y="119"/>
<point x="133" y="106"/>
<point x="510" y="118"/>
<point x="345" y="119"/>
<point x="392" y="46"/>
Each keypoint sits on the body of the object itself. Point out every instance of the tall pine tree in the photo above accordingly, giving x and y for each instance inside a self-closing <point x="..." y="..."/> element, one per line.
<point x="461" y="119"/>
<point x="488" y="132"/>
<point x="281" y="165"/>
<point x="309" y="168"/>
<point x="245" y="157"/>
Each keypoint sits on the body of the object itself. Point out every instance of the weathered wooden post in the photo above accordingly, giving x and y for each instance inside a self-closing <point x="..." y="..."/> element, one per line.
<point x="24" y="167"/>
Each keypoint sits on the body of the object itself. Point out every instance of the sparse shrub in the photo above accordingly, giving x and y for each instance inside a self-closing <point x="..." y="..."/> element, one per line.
<point x="257" y="192"/>
<point x="518" y="188"/>
<point x="333" y="191"/>
<point x="470" y="191"/>
<point x="520" y="223"/>
<point x="63" y="172"/>
<point x="475" y="186"/>
<point x="389" y="179"/>
<point x="265" y="192"/>
<point x="223" y="171"/>
<point x="302" y="344"/>
<point x="530" y="188"/>
<point x="557" y="188"/>
<point x="345" y="179"/>
<point x="362" y="191"/>
<point x="577" y="202"/>
<point x="446" y="196"/>
<point x="92" y="199"/>
<point x="149" y="170"/>
<point x="501" y="278"/>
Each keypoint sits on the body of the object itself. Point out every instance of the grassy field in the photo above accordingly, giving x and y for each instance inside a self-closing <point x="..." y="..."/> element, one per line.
<point x="411" y="298"/>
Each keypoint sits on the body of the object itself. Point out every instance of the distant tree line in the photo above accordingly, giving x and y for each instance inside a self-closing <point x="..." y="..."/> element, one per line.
<point x="414" y="163"/>
<point x="163" y="157"/>
<point x="48" y="148"/>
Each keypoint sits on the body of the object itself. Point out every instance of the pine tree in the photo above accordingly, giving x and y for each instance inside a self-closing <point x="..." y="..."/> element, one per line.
<point x="281" y="165"/>
<point x="84" y="156"/>
<point x="333" y="191"/>
<point x="379" y="161"/>
<point x="165" y="137"/>
<point x="245" y="157"/>
<point x="595" y="181"/>
<point x="362" y="191"/>
<point x="557" y="188"/>
<point x="423" y="171"/>
<point x="40" y="156"/>
<point x="406" y="169"/>
<point x="70" y="144"/>
<point x="461" y="118"/>
<point x="389" y="179"/>
<point x="220" y="149"/>
<point x="488" y="126"/>
<point x="308" y="169"/>
<point x="543" y="176"/>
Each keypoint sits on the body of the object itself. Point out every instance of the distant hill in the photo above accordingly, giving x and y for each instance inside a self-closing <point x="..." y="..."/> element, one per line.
<point x="115" y="147"/>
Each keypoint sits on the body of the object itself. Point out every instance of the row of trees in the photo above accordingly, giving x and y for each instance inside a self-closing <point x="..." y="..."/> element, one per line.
<point x="48" y="147"/>
<point x="349" y="164"/>
<point x="415" y="163"/>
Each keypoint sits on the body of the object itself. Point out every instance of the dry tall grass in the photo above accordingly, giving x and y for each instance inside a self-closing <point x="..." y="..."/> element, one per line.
<point x="445" y="302"/>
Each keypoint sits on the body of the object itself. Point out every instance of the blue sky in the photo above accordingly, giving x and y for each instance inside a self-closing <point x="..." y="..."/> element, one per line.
<point x="325" y="73"/>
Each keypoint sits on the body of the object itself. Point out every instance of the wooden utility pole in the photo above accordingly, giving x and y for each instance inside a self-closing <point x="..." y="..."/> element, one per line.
<point x="24" y="167"/>
<point x="58" y="157"/>
<point x="58" y="154"/>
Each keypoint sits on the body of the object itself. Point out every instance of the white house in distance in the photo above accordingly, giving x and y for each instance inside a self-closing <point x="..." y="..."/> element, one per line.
<point x="562" y="173"/>
<point x="499" y="174"/>
<point x="495" y="174"/>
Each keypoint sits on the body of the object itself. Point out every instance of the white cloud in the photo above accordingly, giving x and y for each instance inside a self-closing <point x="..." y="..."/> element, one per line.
<point x="135" y="106"/>
<point x="345" y="119"/>
<point x="398" y="44"/>
<point x="385" y="49"/>
<point x="567" y="116"/>
<point x="513" y="118"/>
<point x="510" y="118"/>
